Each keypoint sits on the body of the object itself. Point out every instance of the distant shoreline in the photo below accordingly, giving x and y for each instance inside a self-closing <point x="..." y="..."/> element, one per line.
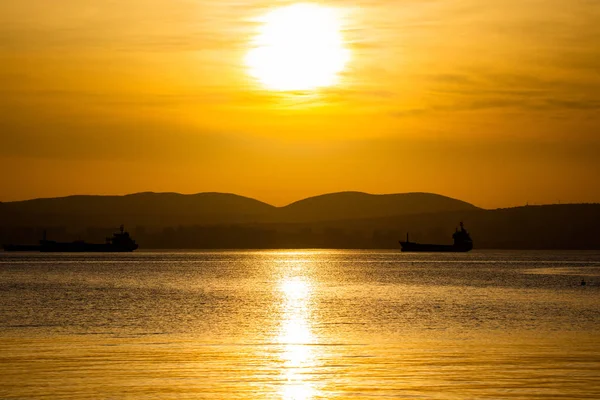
<point x="347" y="220"/>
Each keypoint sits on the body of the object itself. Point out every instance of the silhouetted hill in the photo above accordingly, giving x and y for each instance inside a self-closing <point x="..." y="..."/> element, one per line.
<point x="355" y="205"/>
<point x="172" y="209"/>
<point x="153" y="209"/>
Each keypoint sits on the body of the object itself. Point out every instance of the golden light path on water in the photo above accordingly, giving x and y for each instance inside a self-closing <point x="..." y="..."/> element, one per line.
<point x="296" y="337"/>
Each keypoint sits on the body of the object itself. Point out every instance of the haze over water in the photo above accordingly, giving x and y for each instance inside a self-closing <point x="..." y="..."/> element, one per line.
<point x="300" y="325"/>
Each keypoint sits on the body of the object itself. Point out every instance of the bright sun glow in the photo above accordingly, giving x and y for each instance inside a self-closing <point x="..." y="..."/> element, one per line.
<point x="299" y="47"/>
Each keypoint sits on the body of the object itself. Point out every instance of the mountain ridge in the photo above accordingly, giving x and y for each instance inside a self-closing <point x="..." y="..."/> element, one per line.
<point x="148" y="208"/>
<point x="149" y="193"/>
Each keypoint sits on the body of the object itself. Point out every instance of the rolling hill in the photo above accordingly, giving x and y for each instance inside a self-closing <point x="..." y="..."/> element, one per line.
<point x="151" y="209"/>
<point x="356" y="205"/>
<point x="172" y="209"/>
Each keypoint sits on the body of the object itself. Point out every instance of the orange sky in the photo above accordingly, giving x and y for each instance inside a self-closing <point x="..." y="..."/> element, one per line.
<point x="496" y="103"/>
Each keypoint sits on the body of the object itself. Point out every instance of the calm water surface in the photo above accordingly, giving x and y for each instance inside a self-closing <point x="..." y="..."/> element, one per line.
<point x="300" y="325"/>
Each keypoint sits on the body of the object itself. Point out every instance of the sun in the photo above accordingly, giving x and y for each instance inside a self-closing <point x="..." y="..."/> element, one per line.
<point x="298" y="47"/>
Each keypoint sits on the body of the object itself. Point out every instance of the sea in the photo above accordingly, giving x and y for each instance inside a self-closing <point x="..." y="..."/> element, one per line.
<point x="300" y="324"/>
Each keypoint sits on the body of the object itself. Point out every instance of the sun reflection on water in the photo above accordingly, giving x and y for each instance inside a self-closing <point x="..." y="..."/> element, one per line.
<point x="296" y="338"/>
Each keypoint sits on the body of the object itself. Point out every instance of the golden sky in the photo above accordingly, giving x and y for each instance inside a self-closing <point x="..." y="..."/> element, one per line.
<point x="493" y="102"/>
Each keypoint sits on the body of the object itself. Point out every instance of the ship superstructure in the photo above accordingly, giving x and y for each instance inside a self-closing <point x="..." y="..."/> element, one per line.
<point x="462" y="244"/>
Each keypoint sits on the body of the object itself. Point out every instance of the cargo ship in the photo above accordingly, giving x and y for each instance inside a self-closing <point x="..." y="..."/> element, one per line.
<point x="462" y="244"/>
<point x="120" y="242"/>
<point x="22" y="247"/>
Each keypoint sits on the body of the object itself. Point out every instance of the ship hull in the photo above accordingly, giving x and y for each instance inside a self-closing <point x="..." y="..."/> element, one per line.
<point x="409" y="247"/>
<point x="82" y="247"/>
<point x="21" y="247"/>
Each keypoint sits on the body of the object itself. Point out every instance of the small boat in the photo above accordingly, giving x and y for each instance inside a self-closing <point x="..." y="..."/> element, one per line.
<point x="462" y="244"/>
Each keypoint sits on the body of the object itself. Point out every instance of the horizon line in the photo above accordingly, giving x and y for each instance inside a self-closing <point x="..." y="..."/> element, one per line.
<point x="527" y="204"/>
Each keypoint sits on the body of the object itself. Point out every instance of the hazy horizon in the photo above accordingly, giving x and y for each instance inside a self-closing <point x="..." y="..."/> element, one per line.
<point x="279" y="205"/>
